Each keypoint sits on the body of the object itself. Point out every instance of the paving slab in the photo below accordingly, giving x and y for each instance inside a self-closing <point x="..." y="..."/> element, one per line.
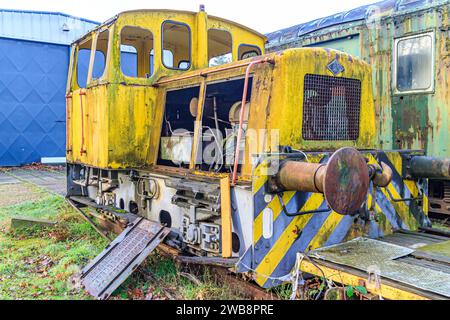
<point x="7" y="179"/>
<point x="53" y="181"/>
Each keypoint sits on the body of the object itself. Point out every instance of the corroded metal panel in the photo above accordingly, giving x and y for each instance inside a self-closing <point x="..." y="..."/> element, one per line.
<point x="121" y="257"/>
<point x="367" y="254"/>
<point x="115" y="123"/>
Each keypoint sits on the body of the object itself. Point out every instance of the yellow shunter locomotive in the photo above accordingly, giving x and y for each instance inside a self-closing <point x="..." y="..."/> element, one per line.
<point x="180" y="129"/>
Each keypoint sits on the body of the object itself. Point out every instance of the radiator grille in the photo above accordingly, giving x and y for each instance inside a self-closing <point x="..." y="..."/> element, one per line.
<point x="331" y="108"/>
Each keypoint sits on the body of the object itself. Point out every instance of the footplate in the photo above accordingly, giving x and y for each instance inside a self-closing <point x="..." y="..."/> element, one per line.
<point x="121" y="257"/>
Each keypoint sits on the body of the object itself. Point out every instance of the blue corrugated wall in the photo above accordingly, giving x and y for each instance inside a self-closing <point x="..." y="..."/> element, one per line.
<point x="32" y="101"/>
<point x="33" y="78"/>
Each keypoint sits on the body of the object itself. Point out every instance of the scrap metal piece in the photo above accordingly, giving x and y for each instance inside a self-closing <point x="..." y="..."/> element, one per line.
<point x="89" y="220"/>
<point x="19" y="222"/>
<point x="121" y="257"/>
<point x="365" y="254"/>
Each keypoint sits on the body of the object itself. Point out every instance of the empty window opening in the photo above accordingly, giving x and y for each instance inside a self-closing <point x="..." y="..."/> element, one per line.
<point x="136" y="52"/>
<point x="415" y="63"/>
<point x="220" y="47"/>
<point x="83" y="58"/>
<point x="248" y="51"/>
<point x="177" y="134"/>
<point x="177" y="40"/>
<point x="220" y="125"/>
<point x="100" y="55"/>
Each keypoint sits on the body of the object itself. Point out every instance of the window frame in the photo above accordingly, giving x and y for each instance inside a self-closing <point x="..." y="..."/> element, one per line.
<point x="152" y="70"/>
<point x="189" y="43"/>
<point x="201" y="85"/>
<point x="92" y="80"/>
<point x="248" y="45"/>
<point x="72" y="66"/>
<point x="91" y="38"/>
<point x="429" y="33"/>
<point x="232" y="43"/>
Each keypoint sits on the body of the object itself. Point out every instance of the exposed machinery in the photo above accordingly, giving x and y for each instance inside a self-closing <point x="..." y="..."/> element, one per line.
<point x="252" y="159"/>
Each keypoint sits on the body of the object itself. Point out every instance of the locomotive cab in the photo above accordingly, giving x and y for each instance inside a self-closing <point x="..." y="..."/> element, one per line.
<point x="127" y="55"/>
<point x="255" y="159"/>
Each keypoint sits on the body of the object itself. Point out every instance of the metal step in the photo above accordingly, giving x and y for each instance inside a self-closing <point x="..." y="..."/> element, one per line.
<point x="121" y="257"/>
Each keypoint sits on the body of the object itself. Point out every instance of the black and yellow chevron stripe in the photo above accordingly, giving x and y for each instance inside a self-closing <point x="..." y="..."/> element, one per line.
<point x="275" y="257"/>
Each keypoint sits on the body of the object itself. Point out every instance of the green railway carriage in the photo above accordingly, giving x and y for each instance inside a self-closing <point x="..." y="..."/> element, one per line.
<point x="407" y="44"/>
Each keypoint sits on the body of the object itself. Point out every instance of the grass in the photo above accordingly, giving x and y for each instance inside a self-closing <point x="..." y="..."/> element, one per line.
<point x="169" y="282"/>
<point x="37" y="262"/>
<point x="40" y="262"/>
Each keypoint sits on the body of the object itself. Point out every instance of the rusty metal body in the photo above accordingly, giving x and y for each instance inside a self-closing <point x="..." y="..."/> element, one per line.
<point x="309" y="108"/>
<point x="429" y="167"/>
<point x="302" y="176"/>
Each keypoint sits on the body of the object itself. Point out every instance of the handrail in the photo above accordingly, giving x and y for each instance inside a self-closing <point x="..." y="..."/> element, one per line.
<point x="242" y="113"/>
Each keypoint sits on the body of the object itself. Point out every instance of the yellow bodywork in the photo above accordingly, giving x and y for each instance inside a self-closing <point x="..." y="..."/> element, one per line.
<point x="116" y="121"/>
<point x="116" y="113"/>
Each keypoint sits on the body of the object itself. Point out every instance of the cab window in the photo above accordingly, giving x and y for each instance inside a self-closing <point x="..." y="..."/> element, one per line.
<point x="248" y="51"/>
<point x="136" y="52"/>
<point x="414" y="63"/>
<point x="83" y="58"/>
<point x="220" y="47"/>
<point x="176" y="40"/>
<point x="100" y="55"/>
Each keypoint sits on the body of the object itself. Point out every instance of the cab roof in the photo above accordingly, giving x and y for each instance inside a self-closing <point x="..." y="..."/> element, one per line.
<point x="143" y="11"/>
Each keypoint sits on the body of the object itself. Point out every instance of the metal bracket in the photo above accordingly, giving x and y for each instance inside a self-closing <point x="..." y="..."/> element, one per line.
<point x="402" y="199"/>
<point x="300" y="213"/>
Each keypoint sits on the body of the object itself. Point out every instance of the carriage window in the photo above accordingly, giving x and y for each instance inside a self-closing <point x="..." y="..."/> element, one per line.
<point x="83" y="58"/>
<point x="136" y="52"/>
<point x="177" y="40"/>
<point x="414" y="70"/>
<point x="219" y="47"/>
<point x="100" y="55"/>
<point x="247" y="51"/>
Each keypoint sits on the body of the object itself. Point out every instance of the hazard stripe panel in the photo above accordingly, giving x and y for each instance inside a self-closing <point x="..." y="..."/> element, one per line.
<point x="386" y="211"/>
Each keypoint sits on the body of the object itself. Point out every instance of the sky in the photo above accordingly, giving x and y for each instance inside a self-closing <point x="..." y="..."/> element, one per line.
<point x="262" y="15"/>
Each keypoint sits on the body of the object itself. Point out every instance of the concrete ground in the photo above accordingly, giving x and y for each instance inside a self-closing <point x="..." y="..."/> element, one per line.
<point x="12" y="180"/>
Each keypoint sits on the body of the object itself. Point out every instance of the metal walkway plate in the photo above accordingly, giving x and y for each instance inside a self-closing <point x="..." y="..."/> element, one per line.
<point x="365" y="254"/>
<point x="121" y="257"/>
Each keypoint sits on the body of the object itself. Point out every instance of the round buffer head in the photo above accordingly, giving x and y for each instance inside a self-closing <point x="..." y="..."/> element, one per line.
<point x="346" y="181"/>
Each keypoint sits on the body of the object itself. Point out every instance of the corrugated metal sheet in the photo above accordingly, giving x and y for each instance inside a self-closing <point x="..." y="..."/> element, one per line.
<point x="49" y="27"/>
<point x="32" y="103"/>
<point x="385" y="7"/>
<point x="34" y="59"/>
